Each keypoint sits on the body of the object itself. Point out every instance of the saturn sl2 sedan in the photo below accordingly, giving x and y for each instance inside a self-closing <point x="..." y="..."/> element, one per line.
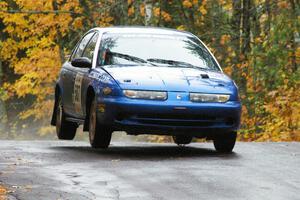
<point x="145" y="81"/>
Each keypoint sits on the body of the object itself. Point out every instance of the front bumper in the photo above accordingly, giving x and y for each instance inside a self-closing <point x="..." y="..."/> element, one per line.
<point x="169" y="117"/>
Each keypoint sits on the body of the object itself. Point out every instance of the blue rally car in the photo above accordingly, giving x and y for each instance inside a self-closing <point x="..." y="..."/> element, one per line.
<point x="145" y="81"/>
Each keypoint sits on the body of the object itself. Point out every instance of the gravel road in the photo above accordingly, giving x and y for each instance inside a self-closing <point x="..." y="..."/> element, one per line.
<point x="42" y="170"/>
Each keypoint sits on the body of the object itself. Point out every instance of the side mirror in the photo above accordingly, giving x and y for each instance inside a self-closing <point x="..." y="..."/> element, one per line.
<point x="82" y="62"/>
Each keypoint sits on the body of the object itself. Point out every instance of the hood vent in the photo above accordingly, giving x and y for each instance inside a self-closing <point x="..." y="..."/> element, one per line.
<point x="127" y="81"/>
<point x="204" y="76"/>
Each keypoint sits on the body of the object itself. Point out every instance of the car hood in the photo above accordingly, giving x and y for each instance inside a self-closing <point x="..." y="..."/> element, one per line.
<point x="170" y="79"/>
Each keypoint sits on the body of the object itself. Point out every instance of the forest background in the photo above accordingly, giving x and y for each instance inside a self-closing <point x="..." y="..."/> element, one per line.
<point x="256" y="42"/>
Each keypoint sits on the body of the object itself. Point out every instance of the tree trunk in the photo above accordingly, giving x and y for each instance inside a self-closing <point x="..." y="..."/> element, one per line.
<point x="236" y="32"/>
<point x="269" y="17"/>
<point x="3" y="113"/>
<point x="294" y="18"/>
<point x="148" y="12"/>
<point x="246" y="26"/>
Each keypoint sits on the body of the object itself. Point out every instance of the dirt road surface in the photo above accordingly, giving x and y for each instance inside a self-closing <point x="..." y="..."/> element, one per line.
<point x="38" y="170"/>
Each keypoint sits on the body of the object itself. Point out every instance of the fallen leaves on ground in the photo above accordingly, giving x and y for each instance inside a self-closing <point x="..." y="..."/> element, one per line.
<point x="3" y="192"/>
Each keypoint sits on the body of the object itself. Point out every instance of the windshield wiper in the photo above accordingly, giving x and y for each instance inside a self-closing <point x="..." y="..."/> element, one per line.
<point x="129" y="57"/>
<point x="175" y="63"/>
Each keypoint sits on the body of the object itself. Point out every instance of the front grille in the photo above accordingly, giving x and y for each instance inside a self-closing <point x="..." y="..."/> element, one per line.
<point x="177" y="122"/>
<point x="176" y="116"/>
<point x="176" y="119"/>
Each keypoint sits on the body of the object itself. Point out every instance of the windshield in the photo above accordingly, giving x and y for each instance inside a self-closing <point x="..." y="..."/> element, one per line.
<point x="155" y="50"/>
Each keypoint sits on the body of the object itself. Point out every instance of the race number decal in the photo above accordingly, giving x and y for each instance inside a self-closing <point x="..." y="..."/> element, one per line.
<point x="77" y="93"/>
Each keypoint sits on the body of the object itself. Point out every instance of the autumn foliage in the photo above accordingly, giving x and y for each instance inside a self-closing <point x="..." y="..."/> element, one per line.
<point x="256" y="42"/>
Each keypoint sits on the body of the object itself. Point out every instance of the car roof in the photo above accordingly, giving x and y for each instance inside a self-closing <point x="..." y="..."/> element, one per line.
<point x="142" y="29"/>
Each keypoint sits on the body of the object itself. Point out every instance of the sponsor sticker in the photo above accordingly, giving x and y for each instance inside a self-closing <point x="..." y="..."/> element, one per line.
<point x="77" y="93"/>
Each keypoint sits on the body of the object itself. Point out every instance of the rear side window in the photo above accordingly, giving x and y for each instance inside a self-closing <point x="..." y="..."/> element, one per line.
<point x="79" y="51"/>
<point x="89" y="50"/>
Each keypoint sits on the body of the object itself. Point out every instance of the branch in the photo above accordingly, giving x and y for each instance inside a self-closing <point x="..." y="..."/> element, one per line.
<point x="40" y="11"/>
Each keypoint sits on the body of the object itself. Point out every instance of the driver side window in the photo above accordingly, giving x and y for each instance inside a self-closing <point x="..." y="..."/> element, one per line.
<point x="90" y="48"/>
<point x="79" y="51"/>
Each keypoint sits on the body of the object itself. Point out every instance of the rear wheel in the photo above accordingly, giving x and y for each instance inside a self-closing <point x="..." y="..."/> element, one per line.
<point x="182" y="139"/>
<point x="225" y="143"/>
<point x="99" y="134"/>
<point x="65" y="130"/>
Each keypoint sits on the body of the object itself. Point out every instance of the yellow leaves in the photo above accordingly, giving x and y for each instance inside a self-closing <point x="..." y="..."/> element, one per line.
<point x="195" y="2"/>
<point x="3" y="190"/>
<point x="142" y="10"/>
<point x="242" y="65"/>
<point x="273" y="93"/>
<point x="38" y="70"/>
<point x="3" y="193"/>
<point x="242" y="57"/>
<point x="45" y="42"/>
<point x="10" y="29"/>
<point x="202" y="10"/>
<point x="283" y="121"/>
<point x="163" y="14"/>
<point x="70" y="5"/>
<point x="3" y="5"/>
<point x="228" y="70"/>
<point x="181" y="28"/>
<point x="224" y="39"/>
<point x="32" y="47"/>
<point x="166" y="16"/>
<point x="35" y="5"/>
<point x="227" y="5"/>
<point x="15" y="21"/>
<point x="297" y="54"/>
<point x="187" y="4"/>
<point x="77" y="23"/>
<point x="9" y="50"/>
<point x="156" y="11"/>
<point x="130" y="11"/>
<point x="104" y="20"/>
<point x="282" y="4"/>
<point x="258" y="40"/>
<point x="26" y="85"/>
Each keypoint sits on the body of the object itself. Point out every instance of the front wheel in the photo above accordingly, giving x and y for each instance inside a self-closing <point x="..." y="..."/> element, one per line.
<point x="99" y="134"/>
<point x="182" y="139"/>
<point x="225" y="143"/>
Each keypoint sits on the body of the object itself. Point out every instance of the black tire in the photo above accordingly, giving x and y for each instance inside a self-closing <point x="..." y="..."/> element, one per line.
<point x="182" y="139"/>
<point x="65" y="130"/>
<point x="225" y="143"/>
<point x="99" y="135"/>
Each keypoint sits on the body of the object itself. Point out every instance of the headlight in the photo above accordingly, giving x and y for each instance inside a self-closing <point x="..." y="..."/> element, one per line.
<point x="152" y="95"/>
<point x="199" y="97"/>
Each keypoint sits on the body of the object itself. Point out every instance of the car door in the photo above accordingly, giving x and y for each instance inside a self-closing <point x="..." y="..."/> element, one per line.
<point x="88" y="53"/>
<point x="74" y="77"/>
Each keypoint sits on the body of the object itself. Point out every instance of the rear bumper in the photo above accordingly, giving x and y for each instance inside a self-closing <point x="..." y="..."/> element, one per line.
<point x="169" y="117"/>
